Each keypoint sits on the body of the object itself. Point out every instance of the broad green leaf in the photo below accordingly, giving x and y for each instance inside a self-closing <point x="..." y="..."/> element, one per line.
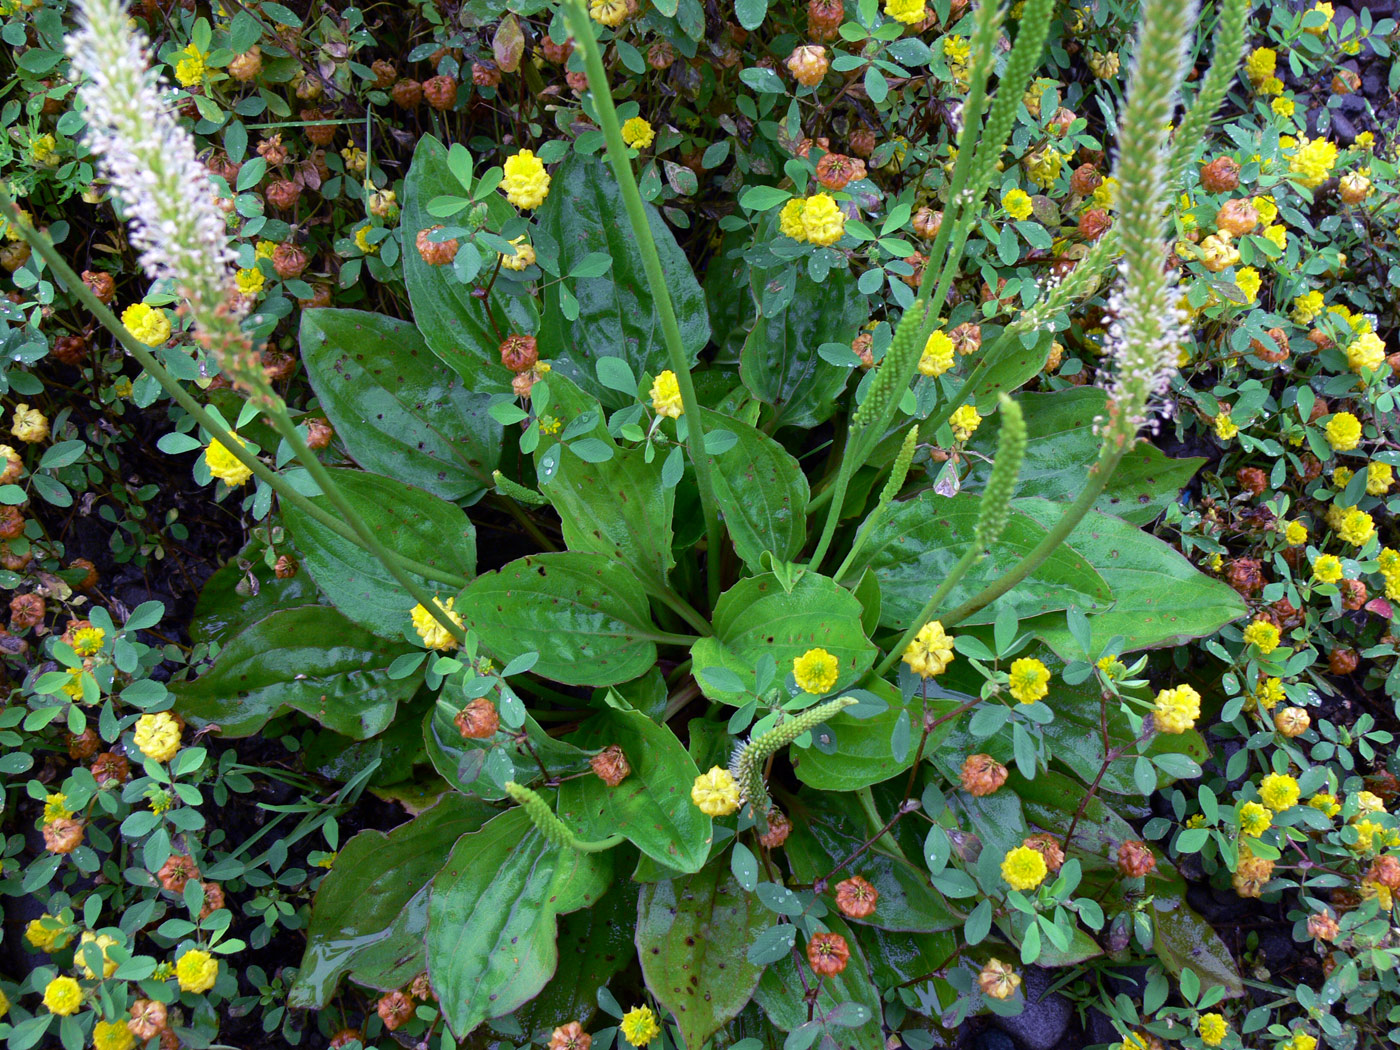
<point x="617" y="316"/>
<point x="1063" y="447"/>
<point x="652" y="805"/>
<point x="861" y="754"/>
<point x="311" y="660"/>
<point x="826" y="829"/>
<point x="916" y="545"/>
<point x="616" y="507"/>
<point x="1182" y="940"/>
<point x="781" y="996"/>
<point x="693" y="935"/>
<point x="456" y="324"/>
<point x="585" y="614"/>
<point x="398" y="409"/>
<point x="243" y="591"/>
<point x="762" y="493"/>
<point x="780" y="364"/>
<point x="407" y="520"/>
<point x="594" y="945"/>
<point x="1009" y="369"/>
<point x="371" y="911"/>
<point x="756" y="617"/>
<point x="491" y="917"/>
<point x="1159" y="598"/>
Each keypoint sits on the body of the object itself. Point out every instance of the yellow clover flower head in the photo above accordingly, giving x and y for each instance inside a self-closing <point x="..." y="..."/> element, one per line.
<point x="906" y="11"/>
<point x="1327" y="568"/>
<point x="1295" y="534"/>
<point x="1313" y="161"/>
<point x="1379" y="478"/>
<point x="638" y="133"/>
<point x="103" y="942"/>
<point x="62" y="996"/>
<point x="522" y="258"/>
<point x="1278" y="791"/>
<point x="250" y="281"/>
<point x="1261" y="64"/>
<point x="611" y="13"/>
<point x="1212" y="1028"/>
<point x="1029" y="680"/>
<point x="1357" y="527"/>
<point x="1325" y="803"/>
<point x="189" y="66"/>
<point x="931" y="651"/>
<point x="362" y="240"/>
<point x="666" y="395"/>
<point x="822" y="220"/>
<point x="87" y="641"/>
<point x="790" y="219"/>
<point x="1366" y="353"/>
<point x="196" y="971"/>
<point x="1262" y="635"/>
<point x="816" y="671"/>
<point x="158" y="736"/>
<point x="1307" y="307"/>
<point x="1017" y="203"/>
<point x="715" y="793"/>
<point x="1176" y="710"/>
<point x="938" y="355"/>
<point x="525" y="181"/>
<point x="1023" y="868"/>
<point x="29" y="424"/>
<point x="46" y="932"/>
<point x="639" y="1025"/>
<point x="1343" y="432"/>
<point x="112" y="1035"/>
<point x="1225" y="427"/>
<point x="434" y="634"/>
<point x="1254" y="820"/>
<point x="964" y="421"/>
<point x="224" y="466"/>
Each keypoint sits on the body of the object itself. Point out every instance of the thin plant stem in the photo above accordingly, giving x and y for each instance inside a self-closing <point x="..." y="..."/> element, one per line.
<point x="580" y="25"/>
<point x="1071" y="517"/>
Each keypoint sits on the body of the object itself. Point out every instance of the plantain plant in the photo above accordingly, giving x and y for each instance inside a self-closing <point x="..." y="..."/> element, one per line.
<point x="814" y="698"/>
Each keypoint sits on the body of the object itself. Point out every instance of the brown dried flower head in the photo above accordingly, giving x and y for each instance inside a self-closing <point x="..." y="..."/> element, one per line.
<point x="435" y="253"/>
<point x="84" y="745"/>
<point x="441" y="92"/>
<point x="1220" y="175"/>
<point x="520" y="353"/>
<point x="1323" y="927"/>
<point x="856" y="898"/>
<point x="1237" y="217"/>
<point x="1342" y="661"/>
<point x="808" y="63"/>
<point x="479" y="720"/>
<point x="1135" y="859"/>
<point x="407" y="93"/>
<point x="26" y="610"/>
<point x="1085" y="180"/>
<point x="779" y="828"/>
<point x="63" y="835"/>
<point x="927" y="223"/>
<point x="110" y="767"/>
<point x="319" y="432"/>
<point x="982" y="775"/>
<point x="570" y="1036"/>
<point x="828" y="953"/>
<point x="394" y="1009"/>
<point x="102" y="284"/>
<point x="176" y="872"/>
<point x="148" y="1019"/>
<point x="836" y="170"/>
<point x="610" y="765"/>
<point x="1291" y="721"/>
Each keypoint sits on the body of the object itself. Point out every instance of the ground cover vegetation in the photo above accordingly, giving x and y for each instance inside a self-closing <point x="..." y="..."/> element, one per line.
<point x="618" y="524"/>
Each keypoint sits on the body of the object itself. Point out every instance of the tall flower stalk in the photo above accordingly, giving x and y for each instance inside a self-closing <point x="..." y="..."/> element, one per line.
<point x="180" y="235"/>
<point x="151" y="162"/>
